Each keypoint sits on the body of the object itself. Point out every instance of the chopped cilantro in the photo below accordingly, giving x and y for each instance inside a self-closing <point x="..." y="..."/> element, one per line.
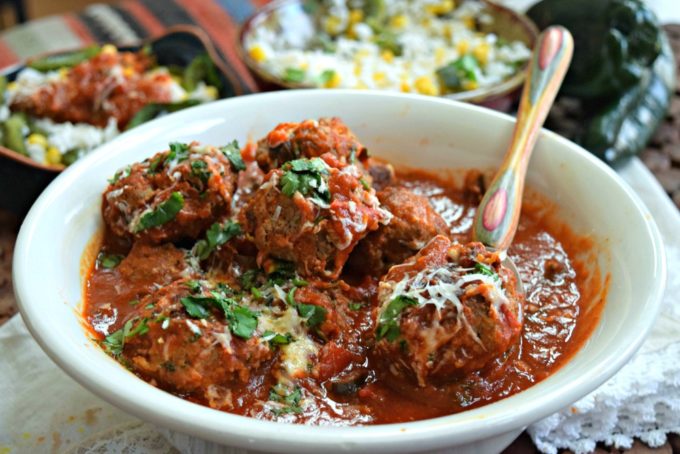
<point x="290" y="399"/>
<point x="280" y="271"/>
<point x="200" y="170"/>
<point x="194" y="286"/>
<point x="388" y="322"/>
<point x="290" y="297"/>
<point x="122" y="173"/>
<point x="233" y="153"/>
<point x="294" y="75"/>
<point x="108" y="261"/>
<point x="165" y="212"/>
<point x="217" y="235"/>
<point x="314" y="315"/>
<point x="355" y="306"/>
<point x="179" y="151"/>
<point x="169" y="366"/>
<point x="308" y="177"/>
<point x="257" y="294"/>
<point x="134" y="302"/>
<point x="149" y="306"/>
<point x="114" y="342"/>
<point x="364" y="183"/>
<point x="249" y="278"/>
<point x="455" y="73"/>
<point x="242" y="321"/>
<point x="197" y="306"/>
<point x="486" y="270"/>
<point x="277" y="338"/>
<point x="300" y="282"/>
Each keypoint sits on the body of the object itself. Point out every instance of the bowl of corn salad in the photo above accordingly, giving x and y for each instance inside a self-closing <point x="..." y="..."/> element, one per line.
<point x="468" y="50"/>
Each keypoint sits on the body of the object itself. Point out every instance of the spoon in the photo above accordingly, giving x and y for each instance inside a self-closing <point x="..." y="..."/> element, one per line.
<point x="498" y="213"/>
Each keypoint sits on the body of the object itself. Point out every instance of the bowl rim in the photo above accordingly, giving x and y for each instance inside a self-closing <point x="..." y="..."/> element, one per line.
<point x="222" y="427"/>
<point x="504" y="87"/>
<point x="181" y="28"/>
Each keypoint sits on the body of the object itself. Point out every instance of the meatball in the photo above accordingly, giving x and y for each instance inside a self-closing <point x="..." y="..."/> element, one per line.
<point x="313" y="215"/>
<point x="446" y="312"/>
<point x="148" y="267"/>
<point x="175" y="194"/>
<point x="413" y="224"/>
<point x="181" y="343"/>
<point x="381" y="172"/>
<point x="309" y="139"/>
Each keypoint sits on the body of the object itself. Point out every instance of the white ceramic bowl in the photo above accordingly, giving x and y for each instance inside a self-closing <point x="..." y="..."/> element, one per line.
<point x="412" y="130"/>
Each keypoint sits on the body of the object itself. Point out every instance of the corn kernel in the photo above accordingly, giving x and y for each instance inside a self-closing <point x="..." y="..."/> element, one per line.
<point x="439" y="55"/>
<point x="12" y="86"/>
<point x="443" y="7"/>
<point x="404" y="86"/>
<point x="63" y="72"/>
<point x="448" y="33"/>
<point x="425" y="86"/>
<point x="469" y="22"/>
<point x="332" y="25"/>
<point x="37" y="139"/>
<point x="351" y="32"/>
<point x="356" y="16"/>
<point x="357" y="69"/>
<point x="462" y="47"/>
<point x="380" y="78"/>
<point x="361" y="85"/>
<point x="399" y="21"/>
<point x="109" y="49"/>
<point x="425" y="22"/>
<point x="53" y="156"/>
<point x="211" y="92"/>
<point x="470" y="84"/>
<point x="387" y="55"/>
<point x="481" y="53"/>
<point x="257" y="53"/>
<point x="333" y="82"/>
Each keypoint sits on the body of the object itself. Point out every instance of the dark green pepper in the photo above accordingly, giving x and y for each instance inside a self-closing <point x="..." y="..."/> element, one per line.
<point x="625" y="126"/>
<point x="615" y="42"/>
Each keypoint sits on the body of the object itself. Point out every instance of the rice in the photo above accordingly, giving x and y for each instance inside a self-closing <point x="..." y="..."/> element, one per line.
<point x="430" y="35"/>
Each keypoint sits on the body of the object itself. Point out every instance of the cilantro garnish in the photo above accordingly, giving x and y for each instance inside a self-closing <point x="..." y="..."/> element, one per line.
<point x="486" y="270"/>
<point x="242" y="321"/>
<point x="294" y="75"/>
<point x="114" y="342"/>
<point x="326" y="76"/>
<point x="277" y="338"/>
<point x="122" y="173"/>
<point x="165" y="212"/>
<point x="455" y="73"/>
<point x="308" y="177"/>
<point x="109" y="261"/>
<point x="200" y="170"/>
<point x="217" y="235"/>
<point x="233" y="153"/>
<point x="289" y="398"/>
<point x="314" y="315"/>
<point x="388" y="322"/>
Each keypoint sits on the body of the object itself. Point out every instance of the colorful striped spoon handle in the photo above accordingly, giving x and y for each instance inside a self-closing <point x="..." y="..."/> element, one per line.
<point x="498" y="213"/>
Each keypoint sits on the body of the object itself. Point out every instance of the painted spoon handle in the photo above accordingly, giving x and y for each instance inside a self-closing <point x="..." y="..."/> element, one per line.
<point x="498" y="213"/>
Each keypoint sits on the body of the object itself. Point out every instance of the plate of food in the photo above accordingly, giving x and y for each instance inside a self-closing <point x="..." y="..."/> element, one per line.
<point x="473" y="51"/>
<point x="56" y="108"/>
<point x="292" y="272"/>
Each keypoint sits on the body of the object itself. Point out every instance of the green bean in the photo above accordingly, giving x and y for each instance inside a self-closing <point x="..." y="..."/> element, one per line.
<point x="3" y="88"/>
<point x="13" y="134"/>
<point x="55" y="62"/>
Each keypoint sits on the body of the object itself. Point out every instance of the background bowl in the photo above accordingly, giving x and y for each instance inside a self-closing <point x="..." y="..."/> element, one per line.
<point x="408" y="129"/>
<point x="507" y="23"/>
<point x="22" y="179"/>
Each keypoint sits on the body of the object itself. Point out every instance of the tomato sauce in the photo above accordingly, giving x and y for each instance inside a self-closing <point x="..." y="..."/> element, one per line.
<point x="564" y="299"/>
